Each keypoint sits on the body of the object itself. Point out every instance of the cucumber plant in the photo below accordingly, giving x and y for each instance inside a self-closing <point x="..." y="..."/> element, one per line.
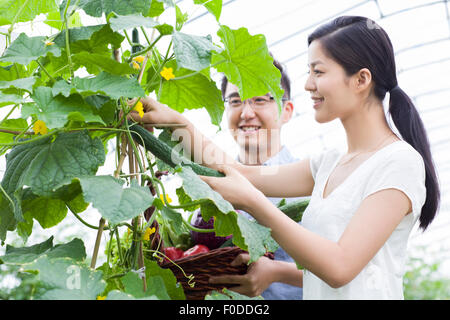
<point x="70" y="91"/>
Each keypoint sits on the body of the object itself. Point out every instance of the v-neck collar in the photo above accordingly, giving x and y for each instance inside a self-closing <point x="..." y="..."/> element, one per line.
<point x="351" y="173"/>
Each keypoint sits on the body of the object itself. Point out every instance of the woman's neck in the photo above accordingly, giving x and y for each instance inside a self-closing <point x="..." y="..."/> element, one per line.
<point x="366" y="128"/>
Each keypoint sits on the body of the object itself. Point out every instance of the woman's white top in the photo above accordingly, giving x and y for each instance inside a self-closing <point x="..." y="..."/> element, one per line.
<point x="397" y="165"/>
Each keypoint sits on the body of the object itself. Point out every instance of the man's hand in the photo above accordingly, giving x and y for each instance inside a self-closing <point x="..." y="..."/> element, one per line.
<point x="259" y="276"/>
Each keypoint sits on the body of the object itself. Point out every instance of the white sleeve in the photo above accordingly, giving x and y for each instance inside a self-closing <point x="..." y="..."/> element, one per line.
<point x="314" y="163"/>
<point x="403" y="170"/>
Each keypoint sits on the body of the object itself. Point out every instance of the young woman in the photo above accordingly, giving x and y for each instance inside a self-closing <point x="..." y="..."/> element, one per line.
<point x="353" y="237"/>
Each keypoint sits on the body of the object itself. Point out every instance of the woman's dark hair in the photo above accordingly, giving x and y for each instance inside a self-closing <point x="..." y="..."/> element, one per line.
<point x="358" y="42"/>
<point x="285" y="81"/>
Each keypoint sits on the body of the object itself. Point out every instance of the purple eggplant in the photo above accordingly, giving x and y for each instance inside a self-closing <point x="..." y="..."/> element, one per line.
<point x="208" y="239"/>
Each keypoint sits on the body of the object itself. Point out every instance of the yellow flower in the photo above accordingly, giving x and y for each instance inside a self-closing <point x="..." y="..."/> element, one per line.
<point x="161" y="196"/>
<point x="148" y="233"/>
<point x="139" y="59"/>
<point x="139" y="108"/>
<point x="49" y="43"/>
<point x="101" y="297"/>
<point x="136" y="65"/>
<point x="40" y="127"/>
<point x="167" y="73"/>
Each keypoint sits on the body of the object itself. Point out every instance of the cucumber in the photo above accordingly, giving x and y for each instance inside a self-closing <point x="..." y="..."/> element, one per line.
<point x="295" y="209"/>
<point x="165" y="153"/>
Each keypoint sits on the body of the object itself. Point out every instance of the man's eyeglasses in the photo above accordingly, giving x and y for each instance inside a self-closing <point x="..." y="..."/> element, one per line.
<point x="255" y="102"/>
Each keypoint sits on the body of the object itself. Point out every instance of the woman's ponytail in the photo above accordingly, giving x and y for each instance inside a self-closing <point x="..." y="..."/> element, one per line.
<point x="409" y="124"/>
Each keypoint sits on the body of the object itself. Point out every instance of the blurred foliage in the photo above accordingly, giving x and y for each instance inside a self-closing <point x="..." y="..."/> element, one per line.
<point x="425" y="281"/>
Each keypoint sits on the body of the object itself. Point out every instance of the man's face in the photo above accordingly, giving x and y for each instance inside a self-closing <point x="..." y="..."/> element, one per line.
<point x="255" y="125"/>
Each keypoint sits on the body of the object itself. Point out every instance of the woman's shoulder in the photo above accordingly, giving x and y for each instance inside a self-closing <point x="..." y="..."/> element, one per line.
<point x="402" y="152"/>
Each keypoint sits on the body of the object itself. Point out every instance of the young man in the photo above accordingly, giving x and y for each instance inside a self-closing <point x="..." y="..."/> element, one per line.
<point x="255" y="125"/>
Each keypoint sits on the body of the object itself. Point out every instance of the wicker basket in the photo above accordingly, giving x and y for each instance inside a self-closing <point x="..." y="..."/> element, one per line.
<point x="213" y="263"/>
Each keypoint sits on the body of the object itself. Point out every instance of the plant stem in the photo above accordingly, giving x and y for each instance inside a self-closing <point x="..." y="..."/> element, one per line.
<point x="150" y="47"/>
<point x="45" y="70"/>
<point x="85" y="223"/>
<point x="9" y="113"/>
<point x="69" y="57"/>
<point x="101" y="225"/>
<point x="16" y="17"/>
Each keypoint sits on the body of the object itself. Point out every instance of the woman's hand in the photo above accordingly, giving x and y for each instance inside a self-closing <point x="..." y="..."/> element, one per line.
<point x="154" y="113"/>
<point x="258" y="278"/>
<point x="234" y="187"/>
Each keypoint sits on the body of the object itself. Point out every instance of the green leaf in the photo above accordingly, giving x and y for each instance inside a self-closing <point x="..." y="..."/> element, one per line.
<point x="155" y="286"/>
<point x="193" y="92"/>
<point x="115" y="203"/>
<point x="14" y="125"/>
<point x="197" y="189"/>
<point x="24" y="50"/>
<point x="95" y="63"/>
<point x="54" y="20"/>
<point x="192" y="52"/>
<point x="23" y="83"/>
<point x="156" y="9"/>
<point x="213" y="6"/>
<point x="12" y="71"/>
<point x="8" y="220"/>
<point x="11" y="10"/>
<point x="67" y="279"/>
<point x="181" y="17"/>
<point x="74" y="249"/>
<point x="173" y="288"/>
<point x="110" y="85"/>
<point x="44" y="165"/>
<point x="9" y="99"/>
<point x="246" y="63"/>
<point x="164" y="29"/>
<point x="131" y="21"/>
<point x="94" y="39"/>
<point x="56" y="110"/>
<point x="96" y="8"/>
<point x="47" y="211"/>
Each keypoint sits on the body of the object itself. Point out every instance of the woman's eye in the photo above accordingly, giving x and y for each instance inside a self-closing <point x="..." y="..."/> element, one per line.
<point x="317" y="72"/>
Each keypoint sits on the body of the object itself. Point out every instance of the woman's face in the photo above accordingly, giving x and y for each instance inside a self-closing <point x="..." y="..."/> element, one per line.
<point x="329" y="86"/>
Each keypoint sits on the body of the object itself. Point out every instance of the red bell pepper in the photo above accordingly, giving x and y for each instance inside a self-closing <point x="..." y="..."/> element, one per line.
<point x="197" y="249"/>
<point x="173" y="253"/>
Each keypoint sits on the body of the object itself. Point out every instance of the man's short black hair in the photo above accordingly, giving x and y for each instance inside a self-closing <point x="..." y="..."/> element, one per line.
<point x="285" y="81"/>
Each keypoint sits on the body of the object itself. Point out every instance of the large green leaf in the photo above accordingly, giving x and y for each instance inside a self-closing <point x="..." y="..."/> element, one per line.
<point x="194" y="92"/>
<point x="246" y="62"/>
<point x="67" y="279"/>
<point x="173" y="288"/>
<point x="115" y="203"/>
<point x="131" y="21"/>
<point x="192" y="52"/>
<point x="111" y="85"/>
<point x="156" y="288"/>
<point x="96" y="8"/>
<point x="74" y="249"/>
<point x="56" y="110"/>
<point x="25" y="49"/>
<point x="24" y="83"/>
<point x="213" y="6"/>
<point x="93" y="39"/>
<point x="47" y="211"/>
<point x="45" y="165"/>
<point x="95" y="63"/>
<point x="21" y="11"/>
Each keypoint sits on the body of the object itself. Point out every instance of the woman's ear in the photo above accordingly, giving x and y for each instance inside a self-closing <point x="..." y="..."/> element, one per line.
<point x="363" y="80"/>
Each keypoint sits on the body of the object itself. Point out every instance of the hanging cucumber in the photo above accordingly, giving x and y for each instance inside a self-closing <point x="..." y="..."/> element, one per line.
<point x="165" y="153"/>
